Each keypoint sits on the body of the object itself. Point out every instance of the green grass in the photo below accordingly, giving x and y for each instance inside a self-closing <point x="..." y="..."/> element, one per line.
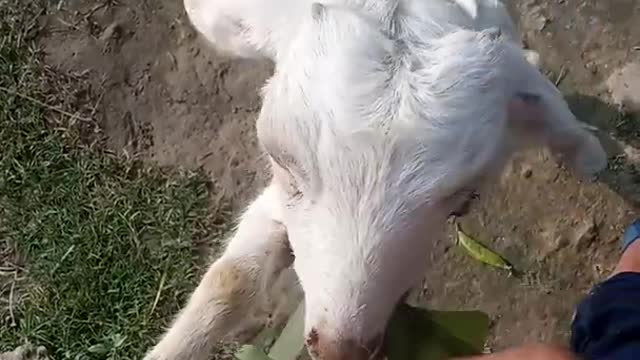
<point x="107" y="243"/>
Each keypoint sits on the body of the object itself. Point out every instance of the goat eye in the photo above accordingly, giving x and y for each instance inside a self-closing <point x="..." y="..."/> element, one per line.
<point x="294" y="191"/>
<point x="291" y="186"/>
<point x="285" y="178"/>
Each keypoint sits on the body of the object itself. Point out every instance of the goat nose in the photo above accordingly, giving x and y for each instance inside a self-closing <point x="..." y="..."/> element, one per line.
<point x="326" y="348"/>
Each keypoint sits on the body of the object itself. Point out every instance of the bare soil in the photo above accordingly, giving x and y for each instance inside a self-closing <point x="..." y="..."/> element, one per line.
<point x="162" y="94"/>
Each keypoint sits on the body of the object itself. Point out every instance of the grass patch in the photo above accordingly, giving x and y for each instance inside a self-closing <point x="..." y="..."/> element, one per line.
<point x="107" y="243"/>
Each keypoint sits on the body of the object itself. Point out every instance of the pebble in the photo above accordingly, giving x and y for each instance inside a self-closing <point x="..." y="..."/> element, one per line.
<point x="26" y="352"/>
<point x="585" y="234"/>
<point x="542" y="22"/>
<point x="111" y="32"/>
<point x="551" y="247"/>
<point x="624" y="85"/>
<point x="592" y="67"/>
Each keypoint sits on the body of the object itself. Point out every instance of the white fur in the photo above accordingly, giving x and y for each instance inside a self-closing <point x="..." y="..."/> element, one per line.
<point x="379" y="119"/>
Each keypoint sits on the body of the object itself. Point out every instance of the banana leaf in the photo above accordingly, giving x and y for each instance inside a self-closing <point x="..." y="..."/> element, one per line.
<point x="421" y="334"/>
<point x="290" y="344"/>
<point x="251" y="352"/>
<point x="412" y="334"/>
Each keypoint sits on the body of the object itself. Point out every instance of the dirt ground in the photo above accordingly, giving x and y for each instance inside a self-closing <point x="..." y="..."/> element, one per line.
<point x="163" y="95"/>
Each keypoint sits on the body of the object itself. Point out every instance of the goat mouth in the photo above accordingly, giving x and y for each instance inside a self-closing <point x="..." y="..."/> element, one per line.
<point x="465" y="207"/>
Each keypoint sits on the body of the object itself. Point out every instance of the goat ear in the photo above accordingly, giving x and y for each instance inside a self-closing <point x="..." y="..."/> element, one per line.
<point x="470" y="6"/>
<point x="317" y="11"/>
<point x="247" y="28"/>
<point x="532" y="117"/>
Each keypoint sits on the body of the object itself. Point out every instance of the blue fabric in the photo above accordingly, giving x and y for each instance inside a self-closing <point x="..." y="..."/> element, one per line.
<point x="607" y="323"/>
<point x="632" y="234"/>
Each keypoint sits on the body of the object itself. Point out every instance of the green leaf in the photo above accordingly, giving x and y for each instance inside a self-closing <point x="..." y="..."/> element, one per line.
<point x="413" y="334"/>
<point x="265" y="339"/>
<point x="98" y="349"/>
<point x="291" y="340"/>
<point x="288" y="345"/>
<point x="419" y="334"/>
<point x="251" y="352"/>
<point x="480" y="252"/>
<point x="118" y="340"/>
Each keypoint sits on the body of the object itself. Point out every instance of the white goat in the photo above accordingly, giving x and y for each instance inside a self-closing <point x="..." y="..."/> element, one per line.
<point x="381" y="117"/>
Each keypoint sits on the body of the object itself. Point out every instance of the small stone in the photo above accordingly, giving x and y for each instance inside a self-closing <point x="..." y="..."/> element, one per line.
<point x="536" y="19"/>
<point x="552" y="247"/>
<point x="592" y="67"/>
<point x="624" y="85"/>
<point x="111" y="32"/>
<point x="541" y="22"/>
<point x="26" y="352"/>
<point x="527" y="172"/>
<point x="585" y="234"/>
<point x="42" y="352"/>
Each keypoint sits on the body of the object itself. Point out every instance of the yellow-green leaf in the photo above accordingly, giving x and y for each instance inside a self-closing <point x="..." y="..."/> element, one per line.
<point x="480" y="252"/>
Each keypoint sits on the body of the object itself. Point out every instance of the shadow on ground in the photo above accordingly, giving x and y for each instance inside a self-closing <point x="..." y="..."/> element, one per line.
<point x="620" y="135"/>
